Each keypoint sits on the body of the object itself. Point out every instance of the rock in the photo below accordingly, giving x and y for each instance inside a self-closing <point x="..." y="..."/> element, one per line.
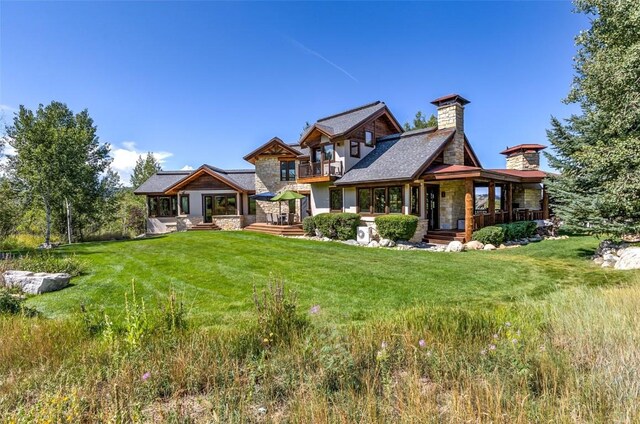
<point x="385" y="242"/>
<point x="535" y="238"/>
<point x="373" y="243"/>
<point x="454" y="246"/>
<point x="441" y="248"/>
<point x="392" y="243"/>
<point x="262" y="410"/>
<point x="474" y="245"/>
<point x="36" y="283"/>
<point x="630" y="259"/>
<point x="523" y="242"/>
<point x="608" y="264"/>
<point x="351" y="242"/>
<point x="502" y="246"/>
<point x="403" y="246"/>
<point x="325" y="239"/>
<point x="599" y="260"/>
<point x="610" y="257"/>
<point x="489" y="247"/>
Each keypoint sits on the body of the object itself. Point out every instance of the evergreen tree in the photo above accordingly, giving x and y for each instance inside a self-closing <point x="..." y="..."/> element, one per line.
<point x="420" y="122"/>
<point x="598" y="151"/>
<point x="145" y="168"/>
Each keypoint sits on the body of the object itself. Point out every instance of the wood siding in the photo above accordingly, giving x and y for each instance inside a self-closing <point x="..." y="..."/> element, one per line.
<point x="207" y="182"/>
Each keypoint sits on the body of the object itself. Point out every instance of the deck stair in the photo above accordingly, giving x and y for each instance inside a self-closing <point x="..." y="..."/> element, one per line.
<point x="205" y="226"/>
<point x="277" y="230"/>
<point x="443" y="236"/>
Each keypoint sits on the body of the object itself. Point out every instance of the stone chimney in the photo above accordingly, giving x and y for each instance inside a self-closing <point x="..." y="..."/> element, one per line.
<point x="451" y="115"/>
<point x="523" y="157"/>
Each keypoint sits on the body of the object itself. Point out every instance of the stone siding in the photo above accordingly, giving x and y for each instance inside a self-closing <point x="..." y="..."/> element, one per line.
<point x="452" y="116"/>
<point x="524" y="161"/>
<point x="228" y="222"/>
<point x="527" y="198"/>
<point x="452" y="204"/>
<point x="268" y="179"/>
<point x="421" y="230"/>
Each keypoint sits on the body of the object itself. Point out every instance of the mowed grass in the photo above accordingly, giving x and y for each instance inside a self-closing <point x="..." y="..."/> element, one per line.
<point x="214" y="274"/>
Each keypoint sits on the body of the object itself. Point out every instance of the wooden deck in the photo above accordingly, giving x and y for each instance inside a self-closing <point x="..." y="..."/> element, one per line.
<point x="276" y="230"/>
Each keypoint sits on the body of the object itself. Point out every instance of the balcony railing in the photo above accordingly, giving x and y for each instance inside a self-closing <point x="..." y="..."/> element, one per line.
<point x="318" y="169"/>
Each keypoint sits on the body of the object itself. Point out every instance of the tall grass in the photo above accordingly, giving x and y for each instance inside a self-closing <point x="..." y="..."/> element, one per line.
<point x="573" y="357"/>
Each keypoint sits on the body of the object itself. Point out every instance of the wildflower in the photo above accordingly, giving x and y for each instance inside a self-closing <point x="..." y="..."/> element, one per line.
<point x="265" y="340"/>
<point x="495" y="336"/>
<point x="514" y="341"/>
<point x="383" y="345"/>
<point x="146" y="376"/>
<point x="314" y="309"/>
<point x="518" y="333"/>
<point x="542" y="348"/>
<point x="483" y="352"/>
<point x="492" y="347"/>
<point x="422" y="343"/>
<point x="507" y="324"/>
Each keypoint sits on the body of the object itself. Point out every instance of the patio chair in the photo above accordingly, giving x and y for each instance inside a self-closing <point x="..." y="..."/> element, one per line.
<point x="269" y="219"/>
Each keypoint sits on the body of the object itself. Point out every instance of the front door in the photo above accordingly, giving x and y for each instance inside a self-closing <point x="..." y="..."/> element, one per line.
<point x="207" y="208"/>
<point x="433" y="206"/>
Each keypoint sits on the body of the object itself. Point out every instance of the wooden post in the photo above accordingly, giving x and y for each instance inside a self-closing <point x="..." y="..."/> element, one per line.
<point x="423" y="201"/>
<point x="510" y="203"/>
<point x="492" y="203"/>
<point x="545" y="203"/>
<point x="468" y="209"/>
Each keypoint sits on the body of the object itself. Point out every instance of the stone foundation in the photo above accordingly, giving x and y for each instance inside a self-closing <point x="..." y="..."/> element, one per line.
<point x="421" y="230"/>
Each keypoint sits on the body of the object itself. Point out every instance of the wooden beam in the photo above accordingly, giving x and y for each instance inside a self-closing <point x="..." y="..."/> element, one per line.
<point x="468" y="209"/>
<point x="545" y="203"/>
<point x="510" y="203"/>
<point x="492" y="203"/>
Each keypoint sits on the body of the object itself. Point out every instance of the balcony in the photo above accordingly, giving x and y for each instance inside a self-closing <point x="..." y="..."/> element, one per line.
<point x="318" y="172"/>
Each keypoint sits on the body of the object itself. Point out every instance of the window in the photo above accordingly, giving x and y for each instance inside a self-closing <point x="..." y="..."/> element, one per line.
<point x="162" y="205"/>
<point x="335" y="199"/>
<point x="368" y="138"/>
<point x="355" y="149"/>
<point x="327" y="150"/>
<point x="414" y="201"/>
<point x="317" y="157"/>
<point x="153" y="206"/>
<point x="395" y="199"/>
<point x="184" y="204"/>
<point x="499" y="198"/>
<point x="287" y="171"/>
<point x="225" y="204"/>
<point x="379" y="200"/>
<point x="364" y="200"/>
<point x="252" y="206"/>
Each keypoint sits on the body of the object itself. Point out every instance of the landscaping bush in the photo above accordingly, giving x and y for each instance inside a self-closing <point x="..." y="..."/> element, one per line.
<point x="519" y="230"/>
<point x="490" y="235"/>
<point x="309" y="226"/>
<point x="49" y="262"/>
<point x="346" y="225"/>
<point x="397" y="227"/>
<point x="12" y="304"/>
<point x="342" y="226"/>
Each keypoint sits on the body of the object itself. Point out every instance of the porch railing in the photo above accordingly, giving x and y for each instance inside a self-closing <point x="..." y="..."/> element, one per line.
<point x="482" y="218"/>
<point x="319" y="169"/>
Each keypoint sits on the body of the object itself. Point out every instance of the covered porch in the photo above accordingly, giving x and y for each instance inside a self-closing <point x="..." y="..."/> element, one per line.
<point x="464" y="199"/>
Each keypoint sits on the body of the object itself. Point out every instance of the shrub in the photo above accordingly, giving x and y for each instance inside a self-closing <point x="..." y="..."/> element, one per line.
<point x="489" y="235"/>
<point x="49" y="262"/>
<point x="346" y="225"/>
<point x="11" y="304"/>
<point x="397" y="227"/>
<point x="325" y="224"/>
<point x="309" y="226"/>
<point x="342" y="226"/>
<point x="519" y="230"/>
<point x="278" y="318"/>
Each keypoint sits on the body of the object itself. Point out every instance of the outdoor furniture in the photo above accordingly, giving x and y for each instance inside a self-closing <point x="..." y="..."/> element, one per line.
<point x="269" y="219"/>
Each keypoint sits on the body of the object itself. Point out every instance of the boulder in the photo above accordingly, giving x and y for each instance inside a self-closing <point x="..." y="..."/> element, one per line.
<point x="489" y="247"/>
<point x="598" y="260"/>
<point x="610" y="257"/>
<point x="608" y="264"/>
<point x="454" y="246"/>
<point x="36" y="283"/>
<point x="535" y="238"/>
<point x="351" y="242"/>
<point x="474" y="245"/>
<point x="630" y="259"/>
<point x="385" y="242"/>
<point x="373" y="243"/>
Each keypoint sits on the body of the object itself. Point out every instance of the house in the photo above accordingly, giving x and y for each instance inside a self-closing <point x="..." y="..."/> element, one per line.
<point x="360" y="161"/>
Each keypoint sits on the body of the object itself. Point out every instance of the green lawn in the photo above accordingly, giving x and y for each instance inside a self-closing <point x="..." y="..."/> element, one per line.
<point x="214" y="272"/>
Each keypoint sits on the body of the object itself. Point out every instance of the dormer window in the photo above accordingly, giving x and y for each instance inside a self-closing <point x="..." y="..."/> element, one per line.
<point x="368" y="138"/>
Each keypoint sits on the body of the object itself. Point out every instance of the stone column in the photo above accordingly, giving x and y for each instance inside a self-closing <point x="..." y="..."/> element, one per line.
<point x="468" y="209"/>
<point x="492" y="202"/>
<point x="510" y="202"/>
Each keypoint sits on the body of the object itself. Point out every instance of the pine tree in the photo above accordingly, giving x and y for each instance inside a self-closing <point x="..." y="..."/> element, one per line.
<point x="420" y="122"/>
<point x="144" y="169"/>
<point x="598" y="151"/>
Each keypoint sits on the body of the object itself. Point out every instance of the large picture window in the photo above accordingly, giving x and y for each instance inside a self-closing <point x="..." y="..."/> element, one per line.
<point x="395" y="200"/>
<point x="162" y="206"/>
<point x="287" y="171"/>
<point x="184" y="204"/>
<point x="364" y="200"/>
<point x="225" y="204"/>
<point x="379" y="200"/>
<point x="335" y="199"/>
<point x="414" y="201"/>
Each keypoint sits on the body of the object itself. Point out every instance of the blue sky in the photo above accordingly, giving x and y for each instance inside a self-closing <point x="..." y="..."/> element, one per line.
<point x="208" y="82"/>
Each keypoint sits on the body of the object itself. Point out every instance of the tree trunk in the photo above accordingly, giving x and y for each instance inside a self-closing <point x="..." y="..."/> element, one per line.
<point x="47" y="232"/>
<point x="66" y="201"/>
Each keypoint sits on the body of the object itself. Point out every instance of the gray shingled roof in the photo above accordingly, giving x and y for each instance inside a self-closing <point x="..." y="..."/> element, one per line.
<point x="398" y="157"/>
<point x="245" y="178"/>
<point x="340" y="123"/>
<point x="161" y="181"/>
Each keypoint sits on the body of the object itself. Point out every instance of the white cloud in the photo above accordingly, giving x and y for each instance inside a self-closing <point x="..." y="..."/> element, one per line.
<point x="7" y="108"/>
<point x="125" y="157"/>
<point x="8" y="151"/>
<point x="187" y="168"/>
